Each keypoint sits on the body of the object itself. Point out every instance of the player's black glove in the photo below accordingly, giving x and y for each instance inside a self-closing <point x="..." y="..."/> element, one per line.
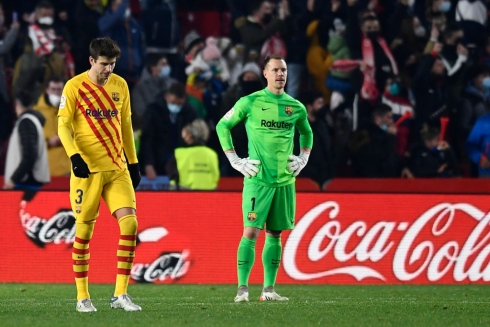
<point x="80" y="168"/>
<point x="134" y="172"/>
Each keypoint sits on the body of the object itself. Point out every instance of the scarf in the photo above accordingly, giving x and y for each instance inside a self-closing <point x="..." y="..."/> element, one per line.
<point x="42" y="41"/>
<point x="369" y="90"/>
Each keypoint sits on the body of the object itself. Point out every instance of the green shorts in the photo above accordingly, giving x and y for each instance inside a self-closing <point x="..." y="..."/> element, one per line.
<point x="272" y="207"/>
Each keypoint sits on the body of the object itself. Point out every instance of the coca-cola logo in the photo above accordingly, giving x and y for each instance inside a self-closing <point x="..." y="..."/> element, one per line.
<point x="168" y="266"/>
<point x="358" y="249"/>
<point x="60" y="229"/>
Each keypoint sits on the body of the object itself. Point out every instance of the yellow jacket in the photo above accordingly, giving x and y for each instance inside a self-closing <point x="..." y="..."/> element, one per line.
<point x="318" y="61"/>
<point x="59" y="163"/>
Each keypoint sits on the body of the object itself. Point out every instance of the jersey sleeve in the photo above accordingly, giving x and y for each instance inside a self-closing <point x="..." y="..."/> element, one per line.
<point x="304" y="128"/>
<point x="66" y="112"/>
<point x="236" y="114"/>
<point x="127" y="129"/>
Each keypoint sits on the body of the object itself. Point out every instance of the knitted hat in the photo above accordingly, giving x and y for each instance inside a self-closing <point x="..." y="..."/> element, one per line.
<point x="191" y="39"/>
<point x="251" y="67"/>
<point x="211" y="51"/>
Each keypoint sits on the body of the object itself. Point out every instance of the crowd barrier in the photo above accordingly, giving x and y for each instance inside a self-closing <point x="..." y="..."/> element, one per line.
<point x="192" y="237"/>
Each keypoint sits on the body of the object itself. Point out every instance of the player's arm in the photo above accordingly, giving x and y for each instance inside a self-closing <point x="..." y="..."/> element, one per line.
<point x="128" y="140"/>
<point x="297" y="163"/>
<point x="239" y="112"/>
<point x="66" y="113"/>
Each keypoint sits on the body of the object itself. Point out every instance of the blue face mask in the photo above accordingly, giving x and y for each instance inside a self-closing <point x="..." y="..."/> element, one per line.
<point x="174" y="108"/>
<point x="384" y="127"/>
<point x="445" y="6"/>
<point x="165" y="71"/>
<point x="486" y="83"/>
<point x="394" y="89"/>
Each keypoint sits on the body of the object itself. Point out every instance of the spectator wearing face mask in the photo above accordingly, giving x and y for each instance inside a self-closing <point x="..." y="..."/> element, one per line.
<point x="154" y="80"/>
<point x="48" y="104"/>
<point x="162" y="129"/>
<point x="41" y="59"/>
<point x="431" y="157"/>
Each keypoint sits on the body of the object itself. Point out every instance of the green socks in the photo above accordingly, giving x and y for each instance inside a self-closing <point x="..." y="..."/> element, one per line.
<point x="271" y="258"/>
<point x="245" y="260"/>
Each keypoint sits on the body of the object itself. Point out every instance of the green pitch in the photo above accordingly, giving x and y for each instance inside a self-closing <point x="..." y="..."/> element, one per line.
<point x="53" y="305"/>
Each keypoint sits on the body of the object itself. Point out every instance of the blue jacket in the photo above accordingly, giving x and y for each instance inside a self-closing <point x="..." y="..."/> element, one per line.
<point x="478" y="142"/>
<point x="130" y="39"/>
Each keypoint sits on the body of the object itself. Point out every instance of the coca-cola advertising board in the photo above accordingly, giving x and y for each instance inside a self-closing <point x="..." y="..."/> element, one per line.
<point x="192" y="237"/>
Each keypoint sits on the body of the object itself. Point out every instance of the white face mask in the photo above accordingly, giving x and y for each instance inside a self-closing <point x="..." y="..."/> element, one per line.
<point x="174" y="108"/>
<point x="54" y="99"/>
<point x="47" y="20"/>
<point x="419" y="31"/>
<point x="127" y="13"/>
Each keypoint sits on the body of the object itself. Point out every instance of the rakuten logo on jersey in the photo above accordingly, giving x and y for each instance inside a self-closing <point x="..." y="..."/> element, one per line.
<point x="272" y="124"/>
<point x="101" y="113"/>
<point x="447" y="243"/>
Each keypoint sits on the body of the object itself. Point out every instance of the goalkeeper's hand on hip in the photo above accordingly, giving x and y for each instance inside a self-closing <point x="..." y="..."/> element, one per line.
<point x="297" y="163"/>
<point x="246" y="166"/>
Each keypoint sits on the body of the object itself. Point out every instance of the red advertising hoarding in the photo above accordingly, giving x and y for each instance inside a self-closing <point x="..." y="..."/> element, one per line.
<point x="190" y="237"/>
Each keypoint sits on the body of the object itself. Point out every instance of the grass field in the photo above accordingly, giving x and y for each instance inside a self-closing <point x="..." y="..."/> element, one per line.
<point x="212" y="305"/>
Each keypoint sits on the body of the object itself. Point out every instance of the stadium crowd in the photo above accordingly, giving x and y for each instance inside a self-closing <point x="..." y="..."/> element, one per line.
<point x="393" y="88"/>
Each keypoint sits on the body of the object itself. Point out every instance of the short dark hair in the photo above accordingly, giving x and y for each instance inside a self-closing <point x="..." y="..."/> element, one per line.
<point x="177" y="89"/>
<point x="25" y="97"/>
<point x="381" y="110"/>
<point x="310" y="96"/>
<point x="452" y="29"/>
<point x="104" y="47"/>
<point x="152" y="59"/>
<point x="55" y="79"/>
<point x="429" y="133"/>
<point x="271" y="57"/>
<point x="44" y="4"/>
<point x="254" y="5"/>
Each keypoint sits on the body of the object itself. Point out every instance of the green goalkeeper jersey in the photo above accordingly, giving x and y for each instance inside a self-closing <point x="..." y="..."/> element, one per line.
<point x="270" y="122"/>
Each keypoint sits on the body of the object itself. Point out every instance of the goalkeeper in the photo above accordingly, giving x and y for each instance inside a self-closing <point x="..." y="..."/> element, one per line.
<point x="269" y="195"/>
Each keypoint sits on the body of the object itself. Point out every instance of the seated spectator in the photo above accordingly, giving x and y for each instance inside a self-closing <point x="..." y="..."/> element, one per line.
<point x="162" y="129"/>
<point x="431" y="157"/>
<point x="154" y="80"/>
<point x="194" y="166"/>
<point x="48" y="104"/>
<point x="372" y="146"/>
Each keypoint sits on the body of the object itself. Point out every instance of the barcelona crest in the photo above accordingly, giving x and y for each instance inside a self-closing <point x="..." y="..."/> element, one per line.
<point x="78" y="209"/>
<point x="288" y="110"/>
<point x="115" y="96"/>
<point x="252" y="216"/>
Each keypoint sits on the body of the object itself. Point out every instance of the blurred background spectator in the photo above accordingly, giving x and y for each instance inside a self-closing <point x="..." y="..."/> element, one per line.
<point x="194" y="166"/>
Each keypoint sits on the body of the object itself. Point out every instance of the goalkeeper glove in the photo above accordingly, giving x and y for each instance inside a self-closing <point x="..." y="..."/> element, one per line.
<point x="134" y="172"/>
<point x="297" y="163"/>
<point x="246" y="166"/>
<point x="80" y="168"/>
